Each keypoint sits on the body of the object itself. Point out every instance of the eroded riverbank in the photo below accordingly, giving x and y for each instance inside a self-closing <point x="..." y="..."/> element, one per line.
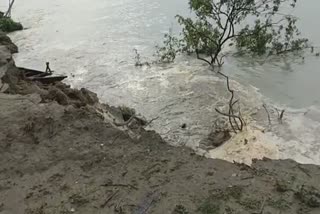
<point x="59" y="155"/>
<point x="94" y="47"/>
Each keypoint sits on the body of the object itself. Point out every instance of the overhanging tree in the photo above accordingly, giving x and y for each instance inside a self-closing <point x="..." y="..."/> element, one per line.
<point x="218" y="23"/>
<point x="6" y="23"/>
<point x="8" y="13"/>
<point x="223" y="22"/>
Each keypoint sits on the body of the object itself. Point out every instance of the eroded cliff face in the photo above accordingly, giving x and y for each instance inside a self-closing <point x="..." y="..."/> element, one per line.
<point x="61" y="152"/>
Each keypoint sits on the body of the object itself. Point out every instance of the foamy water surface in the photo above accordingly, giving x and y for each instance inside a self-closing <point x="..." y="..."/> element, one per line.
<point x="92" y="41"/>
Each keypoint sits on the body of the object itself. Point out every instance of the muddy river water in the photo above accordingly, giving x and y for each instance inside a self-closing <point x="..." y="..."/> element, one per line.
<point x="92" y="41"/>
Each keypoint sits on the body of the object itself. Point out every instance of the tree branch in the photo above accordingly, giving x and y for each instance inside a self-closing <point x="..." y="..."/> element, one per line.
<point x="232" y="117"/>
<point x="8" y="13"/>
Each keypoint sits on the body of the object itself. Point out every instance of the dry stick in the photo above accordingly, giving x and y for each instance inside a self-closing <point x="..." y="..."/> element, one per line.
<point x="153" y="119"/>
<point x="147" y="203"/>
<point x="280" y="115"/>
<point x="269" y="119"/>
<point x="262" y="207"/>
<point x="116" y="138"/>
<point x="120" y="185"/>
<point x="304" y="170"/>
<point x="109" y="199"/>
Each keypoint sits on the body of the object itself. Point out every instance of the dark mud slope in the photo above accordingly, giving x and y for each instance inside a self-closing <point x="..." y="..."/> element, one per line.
<point x="60" y="152"/>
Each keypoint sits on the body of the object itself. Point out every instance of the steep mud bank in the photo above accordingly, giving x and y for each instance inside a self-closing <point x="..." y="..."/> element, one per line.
<point x="61" y="152"/>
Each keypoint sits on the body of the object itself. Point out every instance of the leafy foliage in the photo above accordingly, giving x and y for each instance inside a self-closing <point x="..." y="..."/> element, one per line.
<point x="171" y="46"/>
<point x="8" y="25"/>
<point x="137" y="58"/>
<point x="216" y="25"/>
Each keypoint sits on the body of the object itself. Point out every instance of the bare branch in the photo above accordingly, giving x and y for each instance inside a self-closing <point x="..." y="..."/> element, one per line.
<point x="8" y="13"/>
<point x="234" y="120"/>
<point x="280" y="114"/>
<point x="269" y="119"/>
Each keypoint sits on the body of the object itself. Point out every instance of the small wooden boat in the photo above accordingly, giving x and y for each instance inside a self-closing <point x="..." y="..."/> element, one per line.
<point x="31" y="72"/>
<point x="40" y="76"/>
<point x="48" y="79"/>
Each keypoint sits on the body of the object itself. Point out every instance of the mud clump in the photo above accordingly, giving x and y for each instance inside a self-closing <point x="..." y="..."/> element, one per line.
<point x="309" y="195"/>
<point x="59" y="92"/>
<point x="180" y="209"/>
<point x="7" y="42"/>
<point x="215" y="139"/>
<point x="65" y="95"/>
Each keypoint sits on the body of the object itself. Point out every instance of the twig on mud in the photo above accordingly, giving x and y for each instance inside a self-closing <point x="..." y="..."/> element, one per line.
<point x="150" y="199"/>
<point x="247" y="178"/>
<point x="305" y="171"/>
<point x="262" y="207"/>
<point x="120" y="185"/>
<point x="109" y="199"/>
<point x="150" y="168"/>
<point x="269" y="118"/>
<point x="116" y="138"/>
<point x="153" y="119"/>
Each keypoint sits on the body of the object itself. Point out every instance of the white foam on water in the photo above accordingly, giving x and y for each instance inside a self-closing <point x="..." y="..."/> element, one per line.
<point x="97" y="50"/>
<point x="249" y="144"/>
<point x="76" y="78"/>
<point x="296" y="136"/>
<point x="299" y="135"/>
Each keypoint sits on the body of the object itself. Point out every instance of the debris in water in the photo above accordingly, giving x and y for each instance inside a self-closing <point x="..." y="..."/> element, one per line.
<point x="215" y="139"/>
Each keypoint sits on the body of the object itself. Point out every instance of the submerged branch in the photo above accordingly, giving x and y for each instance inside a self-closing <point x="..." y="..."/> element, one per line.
<point x="234" y="120"/>
<point x="269" y="118"/>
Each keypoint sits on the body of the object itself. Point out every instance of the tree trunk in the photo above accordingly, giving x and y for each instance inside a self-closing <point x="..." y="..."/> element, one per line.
<point x="8" y="13"/>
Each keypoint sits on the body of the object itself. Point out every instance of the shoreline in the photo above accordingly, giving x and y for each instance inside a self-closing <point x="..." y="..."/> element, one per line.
<point x="61" y="152"/>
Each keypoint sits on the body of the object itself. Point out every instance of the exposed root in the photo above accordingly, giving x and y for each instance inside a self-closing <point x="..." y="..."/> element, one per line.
<point x="236" y="121"/>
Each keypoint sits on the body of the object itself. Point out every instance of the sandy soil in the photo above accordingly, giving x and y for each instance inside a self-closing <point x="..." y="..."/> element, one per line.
<point x="61" y="152"/>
